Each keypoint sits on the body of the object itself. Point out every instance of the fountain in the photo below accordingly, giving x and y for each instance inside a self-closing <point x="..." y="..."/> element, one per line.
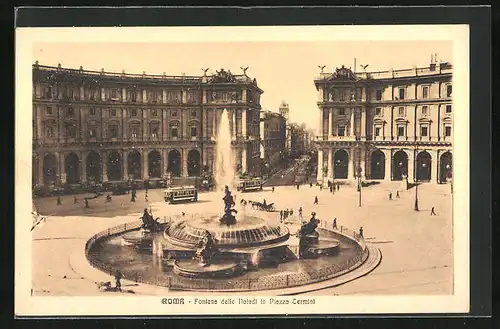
<point x="225" y="159"/>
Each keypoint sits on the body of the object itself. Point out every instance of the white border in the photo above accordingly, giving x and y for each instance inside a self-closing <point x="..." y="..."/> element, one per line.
<point x="54" y="306"/>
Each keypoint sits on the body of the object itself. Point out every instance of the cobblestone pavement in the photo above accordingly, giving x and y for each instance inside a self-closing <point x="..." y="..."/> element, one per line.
<point x="416" y="247"/>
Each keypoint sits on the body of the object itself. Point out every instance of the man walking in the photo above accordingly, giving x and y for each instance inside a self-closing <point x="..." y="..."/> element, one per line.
<point x="118" y="277"/>
<point x="315" y="200"/>
<point x="146" y="196"/>
<point x="300" y="212"/>
<point x="433" y="213"/>
<point x="397" y="194"/>
<point x="335" y="224"/>
<point x="390" y="196"/>
<point x="361" y="231"/>
<point x="273" y="189"/>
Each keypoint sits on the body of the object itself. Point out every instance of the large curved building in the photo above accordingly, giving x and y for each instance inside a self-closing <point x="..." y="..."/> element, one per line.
<point x="91" y="126"/>
<point x="386" y="125"/>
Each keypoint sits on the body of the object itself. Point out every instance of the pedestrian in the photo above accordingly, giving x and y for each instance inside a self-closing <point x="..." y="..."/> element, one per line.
<point x="146" y="196"/>
<point x="321" y="187"/>
<point x="273" y="188"/>
<point x="311" y="185"/>
<point x="335" y="223"/>
<point x="59" y="200"/>
<point x="291" y="212"/>
<point x="281" y="215"/>
<point x="331" y="189"/>
<point x="300" y="212"/>
<point x="87" y="203"/>
<point x="183" y="213"/>
<point x="397" y="194"/>
<point x="75" y="201"/>
<point x="338" y="187"/>
<point x="390" y="196"/>
<point x="118" y="277"/>
<point x="433" y="213"/>
<point x="132" y="196"/>
<point x="361" y="231"/>
<point x="298" y="187"/>
<point x="315" y="200"/>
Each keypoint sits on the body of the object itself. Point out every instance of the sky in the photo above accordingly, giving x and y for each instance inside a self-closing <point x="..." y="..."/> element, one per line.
<point x="284" y="70"/>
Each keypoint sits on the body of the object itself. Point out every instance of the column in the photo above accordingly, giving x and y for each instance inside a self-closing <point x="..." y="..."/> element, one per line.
<point x="204" y="159"/>
<point x="320" y="94"/>
<point x="330" y="164"/>
<point x="164" y="124"/>
<point x="103" y="94"/>
<point x="83" y="166"/>
<point x="82" y="93"/>
<point x="319" y="177"/>
<point x="164" y="98"/>
<point x="244" y="159"/>
<point x="144" y="96"/>
<point x="244" y="96"/>
<point x="104" y="166"/>
<point x="204" y="96"/>
<point x="320" y="124"/>
<point x="363" y="123"/>
<point x="144" y="167"/>
<point x="352" y="132"/>
<point x="39" y="127"/>
<point x="411" y="166"/>
<point x="124" y="94"/>
<point x="62" y="168"/>
<point x="144" y="124"/>
<point x="184" y="96"/>
<point x="184" y="163"/>
<point x="234" y="123"/>
<point x="204" y="120"/>
<point x="330" y="123"/>
<point x="388" y="164"/>
<point x="434" y="165"/>
<point x="352" y="168"/>
<point x="40" y="169"/>
<point x="125" y="164"/>
<point x="362" y="162"/>
<point x="184" y="127"/>
<point x="244" y="121"/>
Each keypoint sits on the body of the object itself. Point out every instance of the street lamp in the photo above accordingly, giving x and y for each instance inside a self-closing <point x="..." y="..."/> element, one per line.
<point x="358" y="175"/>
<point x="416" y="183"/>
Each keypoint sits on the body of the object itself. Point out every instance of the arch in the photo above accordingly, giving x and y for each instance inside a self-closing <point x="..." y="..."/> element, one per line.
<point x="114" y="166"/>
<point x="194" y="163"/>
<point x="49" y="168"/>
<point x="377" y="166"/>
<point x="174" y="163"/>
<point x="154" y="164"/>
<point x="341" y="164"/>
<point x="446" y="168"/>
<point x="93" y="167"/>
<point x="134" y="164"/>
<point x="423" y="171"/>
<point x="72" y="163"/>
<point x="399" y="165"/>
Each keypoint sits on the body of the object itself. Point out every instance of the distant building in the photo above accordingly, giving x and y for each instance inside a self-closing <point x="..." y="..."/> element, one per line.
<point x="272" y="139"/>
<point x="298" y="140"/>
<point x="389" y="125"/>
<point x="112" y="127"/>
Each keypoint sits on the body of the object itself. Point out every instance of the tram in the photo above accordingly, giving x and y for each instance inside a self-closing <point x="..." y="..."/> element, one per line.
<point x="250" y="184"/>
<point x="181" y="194"/>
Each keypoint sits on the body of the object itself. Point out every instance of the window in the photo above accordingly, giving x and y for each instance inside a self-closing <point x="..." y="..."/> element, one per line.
<point x="448" y="108"/>
<point x="114" y="94"/>
<point x="113" y="112"/>
<point x="341" y="131"/>
<point x="174" y="113"/>
<point x="377" y="131"/>
<point x="50" y="132"/>
<point x="424" y="131"/>
<point x="341" y="111"/>
<point x="49" y="111"/>
<point x="92" y="111"/>
<point x="154" y="112"/>
<point x="133" y="132"/>
<point x="154" y="131"/>
<point x="401" y="111"/>
<point x="401" y="93"/>
<point x="113" y="131"/>
<point x="48" y="92"/>
<point x="70" y="111"/>
<point x="342" y="94"/>
<point x="378" y="95"/>
<point x="448" y="90"/>
<point x="378" y="111"/>
<point x="194" y="131"/>
<point x="133" y="112"/>
<point x="70" y="93"/>
<point x="92" y="94"/>
<point x="133" y="96"/>
<point x="193" y="113"/>
<point x="92" y="132"/>
<point x="174" y="132"/>
<point x="70" y="131"/>
<point x="425" y="110"/>
<point x="401" y="131"/>
<point x="425" y="92"/>
<point x="447" y="131"/>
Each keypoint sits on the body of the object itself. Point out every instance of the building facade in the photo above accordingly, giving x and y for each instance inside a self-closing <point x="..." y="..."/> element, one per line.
<point x="298" y="140"/>
<point x="390" y="125"/>
<point x="272" y="139"/>
<point x="91" y="126"/>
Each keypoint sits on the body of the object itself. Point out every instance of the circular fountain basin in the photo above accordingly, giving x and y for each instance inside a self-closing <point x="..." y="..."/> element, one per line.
<point x="249" y="231"/>
<point x="191" y="268"/>
<point x="324" y="248"/>
<point x="139" y="238"/>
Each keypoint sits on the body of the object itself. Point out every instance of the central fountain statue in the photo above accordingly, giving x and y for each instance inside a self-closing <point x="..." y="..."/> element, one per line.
<point x="308" y="236"/>
<point x="228" y="218"/>
<point x="206" y="250"/>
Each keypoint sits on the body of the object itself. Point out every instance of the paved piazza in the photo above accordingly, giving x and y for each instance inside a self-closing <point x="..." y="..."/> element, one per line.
<point x="416" y="247"/>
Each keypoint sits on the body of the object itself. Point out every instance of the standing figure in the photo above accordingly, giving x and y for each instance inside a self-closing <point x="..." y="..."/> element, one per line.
<point x="132" y="196"/>
<point x="75" y="201"/>
<point x="433" y="213"/>
<point x="361" y="231"/>
<point x="390" y="196"/>
<point x="146" y="196"/>
<point x="397" y="194"/>
<point x="87" y="203"/>
<point x="315" y="200"/>
<point x="338" y="187"/>
<point x="335" y="224"/>
<point x="59" y="200"/>
<point x="311" y="185"/>
<point x="118" y="277"/>
<point x="281" y="215"/>
<point x="300" y="212"/>
<point x="298" y="186"/>
<point x="273" y="189"/>
<point x="108" y="198"/>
